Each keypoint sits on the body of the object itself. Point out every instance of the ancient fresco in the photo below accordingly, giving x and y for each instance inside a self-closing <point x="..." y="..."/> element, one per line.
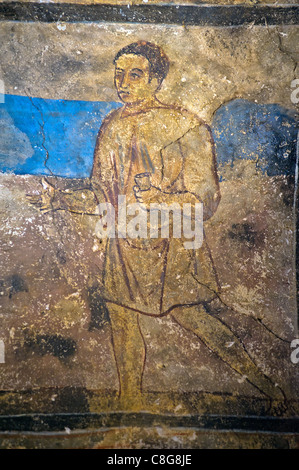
<point x="105" y="304"/>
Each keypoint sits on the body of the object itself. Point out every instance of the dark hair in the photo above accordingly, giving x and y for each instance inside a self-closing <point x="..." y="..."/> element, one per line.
<point x="158" y="60"/>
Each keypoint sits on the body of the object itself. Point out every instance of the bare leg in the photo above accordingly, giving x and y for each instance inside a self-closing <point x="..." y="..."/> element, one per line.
<point x="222" y="341"/>
<point x="129" y="352"/>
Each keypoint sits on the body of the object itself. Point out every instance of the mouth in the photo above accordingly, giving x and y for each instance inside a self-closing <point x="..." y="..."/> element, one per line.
<point x="124" y="93"/>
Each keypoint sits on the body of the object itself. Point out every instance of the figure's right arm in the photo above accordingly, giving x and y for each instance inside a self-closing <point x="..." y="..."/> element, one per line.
<point x="82" y="200"/>
<point x="96" y="177"/>
<point x="86" y="200"/>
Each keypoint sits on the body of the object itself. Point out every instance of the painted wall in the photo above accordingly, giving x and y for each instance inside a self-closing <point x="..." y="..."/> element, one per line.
<point x="55" y="326"/>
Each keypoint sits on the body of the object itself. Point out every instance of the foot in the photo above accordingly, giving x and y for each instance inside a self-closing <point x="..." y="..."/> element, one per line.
<point x="278" y="402"/>
<point x="131" y="402"/>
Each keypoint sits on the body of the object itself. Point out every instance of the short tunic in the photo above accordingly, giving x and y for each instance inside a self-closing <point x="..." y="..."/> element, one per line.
<point x="153" y="276"/>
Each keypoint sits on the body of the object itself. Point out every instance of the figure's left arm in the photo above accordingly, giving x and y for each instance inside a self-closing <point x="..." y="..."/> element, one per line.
<point x="200" y="171"/>
<point x="199" y="174"/>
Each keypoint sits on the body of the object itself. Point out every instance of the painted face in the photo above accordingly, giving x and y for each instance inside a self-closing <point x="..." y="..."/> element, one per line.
<point x="132" y="79"/>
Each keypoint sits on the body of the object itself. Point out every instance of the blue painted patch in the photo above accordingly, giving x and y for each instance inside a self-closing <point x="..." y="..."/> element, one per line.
<point x="41" y="136"/>
<point x="265" y="133"/>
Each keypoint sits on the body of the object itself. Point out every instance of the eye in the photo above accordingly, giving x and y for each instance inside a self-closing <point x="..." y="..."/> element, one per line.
<point x="135" y="75"/>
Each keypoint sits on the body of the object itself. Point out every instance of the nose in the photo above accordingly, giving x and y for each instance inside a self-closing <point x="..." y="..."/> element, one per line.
<point x="124" y="81"/>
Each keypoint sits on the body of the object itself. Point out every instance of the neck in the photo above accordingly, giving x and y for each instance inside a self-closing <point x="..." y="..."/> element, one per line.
<point x="143" y="105"/>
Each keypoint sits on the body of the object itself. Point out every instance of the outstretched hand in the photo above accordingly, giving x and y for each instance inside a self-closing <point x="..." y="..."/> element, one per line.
<point x="44" y="200"/>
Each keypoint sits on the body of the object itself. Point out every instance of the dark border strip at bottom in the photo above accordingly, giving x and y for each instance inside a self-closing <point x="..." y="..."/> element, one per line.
<point x="58" y="422"/>
<point x="197" y="15"/>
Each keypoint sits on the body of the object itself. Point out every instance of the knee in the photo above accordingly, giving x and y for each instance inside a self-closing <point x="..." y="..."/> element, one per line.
<point x="122" y="319"/>
<point x="192" y="318"/>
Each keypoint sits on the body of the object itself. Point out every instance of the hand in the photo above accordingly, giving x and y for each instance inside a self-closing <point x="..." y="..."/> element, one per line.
<point x="44" y="200"/>
<point x="152" y="195"/>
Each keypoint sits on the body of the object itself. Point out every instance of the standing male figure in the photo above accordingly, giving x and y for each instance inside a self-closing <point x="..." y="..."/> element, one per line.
<point x="159" y="276"/>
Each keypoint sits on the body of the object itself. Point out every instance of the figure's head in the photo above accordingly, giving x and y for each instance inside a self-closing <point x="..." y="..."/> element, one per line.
<point x="140" y="69"/>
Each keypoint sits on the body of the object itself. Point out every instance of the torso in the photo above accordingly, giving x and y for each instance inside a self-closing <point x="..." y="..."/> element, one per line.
<point x="133" y="144"/>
